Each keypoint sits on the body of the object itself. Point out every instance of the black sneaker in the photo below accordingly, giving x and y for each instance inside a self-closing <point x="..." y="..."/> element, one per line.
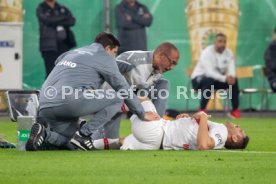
<point x="84" y="143"/>
<point x="36" y="138"/>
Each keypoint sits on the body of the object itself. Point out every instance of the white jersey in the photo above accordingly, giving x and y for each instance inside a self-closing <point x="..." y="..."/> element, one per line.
<point x="182" y="134"/>
<point x="215" y="65"/>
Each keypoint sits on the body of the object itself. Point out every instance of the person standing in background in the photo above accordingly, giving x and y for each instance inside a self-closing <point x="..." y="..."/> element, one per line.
<point x="56" y="37"/>
<point x="132" y="18"/>
<point x="270" y="63"/>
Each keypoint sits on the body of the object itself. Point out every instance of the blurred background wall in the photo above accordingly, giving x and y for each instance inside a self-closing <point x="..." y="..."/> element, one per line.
<point x="256" y="21"/>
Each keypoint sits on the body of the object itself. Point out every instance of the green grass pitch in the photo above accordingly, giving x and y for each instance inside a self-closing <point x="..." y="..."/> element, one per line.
<point x="257" y="164"/>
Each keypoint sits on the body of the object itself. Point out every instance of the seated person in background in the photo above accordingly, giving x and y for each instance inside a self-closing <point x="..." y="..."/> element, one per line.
<point x="270" y="63"/>
<point x="216" y="67"/>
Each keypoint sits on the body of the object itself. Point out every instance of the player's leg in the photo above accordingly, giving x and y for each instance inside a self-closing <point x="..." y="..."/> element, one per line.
<point x="107" y="143"/>
<point x="148" y="133"/>
<point x="132" y="143"/>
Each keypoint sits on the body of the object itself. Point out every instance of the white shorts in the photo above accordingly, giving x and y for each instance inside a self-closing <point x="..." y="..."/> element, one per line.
<point x="146" y="135"/>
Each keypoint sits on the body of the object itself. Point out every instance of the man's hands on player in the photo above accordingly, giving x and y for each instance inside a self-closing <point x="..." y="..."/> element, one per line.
<point x="151" y="116"/>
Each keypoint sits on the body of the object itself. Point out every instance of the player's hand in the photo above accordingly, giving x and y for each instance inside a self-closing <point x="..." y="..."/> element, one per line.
<point x="182" y="116"/>
<point x="151" y="116"/>
<point x="200" y="115"/>
<point x="230" y="80"/>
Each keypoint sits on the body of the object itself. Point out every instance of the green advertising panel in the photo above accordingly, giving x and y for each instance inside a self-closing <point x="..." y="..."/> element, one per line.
<point x="189" y="24"/>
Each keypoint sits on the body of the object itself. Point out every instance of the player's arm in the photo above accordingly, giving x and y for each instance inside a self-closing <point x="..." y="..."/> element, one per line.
<point x="204" y="141"/>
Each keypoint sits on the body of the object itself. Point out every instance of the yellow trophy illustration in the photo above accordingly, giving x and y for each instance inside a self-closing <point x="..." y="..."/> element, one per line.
<point x="10" y="10"/>
<point x="205" y="19"/>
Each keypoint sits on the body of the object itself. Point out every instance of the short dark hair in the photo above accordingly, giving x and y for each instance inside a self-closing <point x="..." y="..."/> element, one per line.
<point x="107" y="39"/>
<point x="221" y="35"/>
<point x="165" y="48"/>
<point x="238" y="145"/>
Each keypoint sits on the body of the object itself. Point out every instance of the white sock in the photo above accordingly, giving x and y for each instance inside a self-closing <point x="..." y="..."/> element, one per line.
<point x="106" y="143"/>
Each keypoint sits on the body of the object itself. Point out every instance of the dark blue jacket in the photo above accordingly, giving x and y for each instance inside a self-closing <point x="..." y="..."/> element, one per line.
<point x="132" y="33"/>
<point x="270" y="61"/>
<point x="49" y="19"/>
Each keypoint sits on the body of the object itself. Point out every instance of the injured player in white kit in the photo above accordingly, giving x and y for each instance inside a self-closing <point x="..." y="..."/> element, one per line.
<point x="184" y="133"/>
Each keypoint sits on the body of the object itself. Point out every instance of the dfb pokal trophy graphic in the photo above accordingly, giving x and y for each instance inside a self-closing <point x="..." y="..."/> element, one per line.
<point x="10" y="10"/>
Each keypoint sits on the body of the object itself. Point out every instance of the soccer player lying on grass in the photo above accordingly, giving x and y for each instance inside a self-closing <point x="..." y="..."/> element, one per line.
<point x="184" y="133"/>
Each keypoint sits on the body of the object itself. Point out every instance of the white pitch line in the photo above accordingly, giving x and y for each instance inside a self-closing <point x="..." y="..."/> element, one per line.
<point x="155" y="6"/>
<point x="272" y="7"/>
<point x="250" y="152"/>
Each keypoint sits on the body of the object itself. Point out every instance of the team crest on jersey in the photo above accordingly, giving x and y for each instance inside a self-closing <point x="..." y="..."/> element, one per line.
<point x="219" y="138"/>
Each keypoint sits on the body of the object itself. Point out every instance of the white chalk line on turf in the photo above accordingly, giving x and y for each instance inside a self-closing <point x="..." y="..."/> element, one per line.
<point x="243" y="152"/>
